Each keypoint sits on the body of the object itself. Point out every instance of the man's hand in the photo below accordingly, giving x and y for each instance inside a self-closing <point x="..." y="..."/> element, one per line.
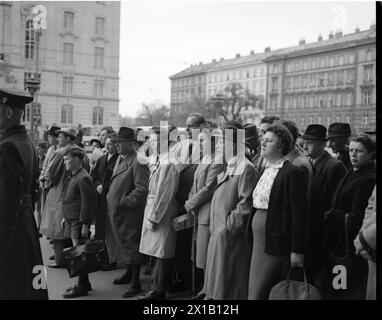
<point x="63" y="223"/>
<point x="358" y="246"/>
<point x="99" y="189"/>
<point x="151" y="225"/>
<point x="296" y="260"/>
<point x="85" y="231"/>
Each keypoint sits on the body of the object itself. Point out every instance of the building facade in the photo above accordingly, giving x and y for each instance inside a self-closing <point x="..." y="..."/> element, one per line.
<point x="326" y="81"/>
<point x="76" y="60"/>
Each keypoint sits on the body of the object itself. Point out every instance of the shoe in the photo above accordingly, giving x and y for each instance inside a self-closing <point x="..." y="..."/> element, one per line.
<point x="199" y="296"/>
<point x="52" y="257"/>
<point x="75" y="292"/>
<point x="124" y="279"/>
<point x="153" y="295"/>
<point x="110" y="267"/>
<point x="131" y="292"/>
<point x="56" y="266"/>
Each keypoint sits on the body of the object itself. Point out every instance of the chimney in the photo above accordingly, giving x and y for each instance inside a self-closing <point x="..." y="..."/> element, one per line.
<point x="237" y="55"/>
<point x="338" y="33"/>
<point x="267" y="49"/>
<point x="357" y="30"/>
<point x="221" y="59"/>
<point x="320" y="37"/>
<point x="252" y="52"/>
<point x="331" y="35"/>
<point x="301" y="42"/>
<point x="213" y="60"/>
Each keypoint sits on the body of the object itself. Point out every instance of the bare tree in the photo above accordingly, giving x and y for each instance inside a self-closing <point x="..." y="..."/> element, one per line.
<point x="151" y="114"/>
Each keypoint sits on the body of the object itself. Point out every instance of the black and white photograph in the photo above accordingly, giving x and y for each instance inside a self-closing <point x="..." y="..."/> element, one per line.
<point x="188" y="151"/>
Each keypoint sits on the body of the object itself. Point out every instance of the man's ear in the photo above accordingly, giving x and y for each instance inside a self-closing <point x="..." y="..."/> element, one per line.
<point x="9" y="113"/>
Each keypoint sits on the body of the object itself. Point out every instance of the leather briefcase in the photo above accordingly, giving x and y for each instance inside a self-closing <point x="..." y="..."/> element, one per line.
<point x="86" y="258"/>
<point x="294" y="290"/>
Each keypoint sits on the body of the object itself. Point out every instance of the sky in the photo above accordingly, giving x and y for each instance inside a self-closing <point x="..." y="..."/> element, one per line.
<point x="161" y="38"/>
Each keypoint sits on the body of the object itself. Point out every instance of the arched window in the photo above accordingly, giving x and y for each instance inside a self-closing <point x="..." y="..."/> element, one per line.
<point x="97" y="116"/>
<point x="66" y="114"/>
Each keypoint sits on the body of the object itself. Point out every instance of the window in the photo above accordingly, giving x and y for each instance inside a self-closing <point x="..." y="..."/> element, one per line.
<point x="67" y="86"/>
<point x="321" y="101"/>
<point x="288" y="83"/>
<point x="312" y="101"/>
<point x="98" y="88"/>
<point x="296" y="66"/>
<point x="67" y="114"/>
<point x="274" y="84"/>
<point x="341" y="60"/>
<point x="366" y="118"/>
<point x="339" y="100"/>
<point x="366" y="97"/>
<point x="350" y="99"/>
<point x="330" y="100"/>
<point x="313" y="64"/>
<point x="30" y="40"/>
<point x="100" y="26"/>
<point x="319" y="119"/>
<point x="302" y="121"/>
<point x="351" y="58"/>
<point x="367" y="73"/>
<point x="350" y="78"/>
<point x="310" y="119"/>
<point x="305" y="102"/>
<point x="97" y="116"/>
<point x="99" y="53"/>
<point x="328" y="120"/>
<point x="348" y="118"/>
<point x="68" y="20"/>
<point x="331" y="61"/>
<point x="305" y="65"/>
<point x="322" y="63"/>
<point x="369" y="55"/>
<point x="68" y="53"/>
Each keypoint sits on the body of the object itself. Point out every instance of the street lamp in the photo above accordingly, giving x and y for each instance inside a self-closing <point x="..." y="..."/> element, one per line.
<point x="218" y="101"/>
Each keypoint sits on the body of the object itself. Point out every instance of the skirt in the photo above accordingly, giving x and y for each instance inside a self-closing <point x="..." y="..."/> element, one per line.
<point x="266" y="270"/>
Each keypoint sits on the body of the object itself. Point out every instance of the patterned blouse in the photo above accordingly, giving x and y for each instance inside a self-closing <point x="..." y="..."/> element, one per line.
<point x="264" y="185"/>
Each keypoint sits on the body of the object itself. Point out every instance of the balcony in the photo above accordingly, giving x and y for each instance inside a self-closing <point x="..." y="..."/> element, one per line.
<point x="367" y="83"/>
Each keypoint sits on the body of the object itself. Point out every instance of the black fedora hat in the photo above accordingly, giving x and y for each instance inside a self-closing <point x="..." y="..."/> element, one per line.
<point x="52" y="131"/>
<point x="338" y="129"/>
<point x="250" y="131"/>
<point x="95" y="140"/>
<point x="15" y="98"/>
<point x="125" y="133"/>
<point x="315" y="132"/>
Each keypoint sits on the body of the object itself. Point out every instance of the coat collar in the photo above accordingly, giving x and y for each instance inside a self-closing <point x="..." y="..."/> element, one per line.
<point x="124" y="163"/>
<point x="13" y="131"/>
<point x="321" y="160"/>
<point x="232" y="166"/>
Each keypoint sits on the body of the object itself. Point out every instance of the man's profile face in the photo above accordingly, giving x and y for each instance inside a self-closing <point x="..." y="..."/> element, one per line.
<point x="103" y="136"/>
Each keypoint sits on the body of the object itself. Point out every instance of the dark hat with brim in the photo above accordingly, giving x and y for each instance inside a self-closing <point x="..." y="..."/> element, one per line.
<point x="125" y="133"/>
<point x="315" y="132"/>
<point x="15" y="98"/>
<point x="339" y="130"/>
<point x="68" y="131"/>
<point x="250" y="131"/>
<point x="52" y="131"/>
<point x="95" y="140"/>
<point x="371" y="132"/>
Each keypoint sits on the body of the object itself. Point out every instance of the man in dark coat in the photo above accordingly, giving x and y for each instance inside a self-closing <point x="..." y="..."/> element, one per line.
<point x="20" y="253"/>
<point x="126" y="201"/>
<point x="338" y="135"/>
<point x="101" y="175"/>
<point x="327" y="172"/>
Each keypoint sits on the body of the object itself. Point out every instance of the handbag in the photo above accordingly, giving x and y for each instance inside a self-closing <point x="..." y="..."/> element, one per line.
<point x="86" y="258"/>
<point x="345" y="260"/>
<point x="294" y="290"/>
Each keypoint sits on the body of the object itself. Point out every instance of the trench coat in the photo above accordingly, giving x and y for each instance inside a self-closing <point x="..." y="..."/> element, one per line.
<point x="229" y="251"/>
<point x="56" y="175"/>
<point x="199" y="201"/>
<point x="20" y="248"/>
<point x="126" y="202"/>
<point x="42" y="178"/>
<point x="161" y="208"/>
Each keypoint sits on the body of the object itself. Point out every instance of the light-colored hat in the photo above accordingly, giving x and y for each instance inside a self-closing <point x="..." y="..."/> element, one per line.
<point x="71" y="132"/>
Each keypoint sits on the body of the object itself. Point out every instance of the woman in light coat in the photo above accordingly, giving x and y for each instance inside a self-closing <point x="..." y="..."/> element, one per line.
<point x="199" y="200"/>
<point x="158" y="236"/>
<point x="229" y="252"/>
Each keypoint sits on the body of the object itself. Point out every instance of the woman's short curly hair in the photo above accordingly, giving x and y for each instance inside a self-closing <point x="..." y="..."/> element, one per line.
<point x="366" y="141"/>
<point x="284" y="136"/>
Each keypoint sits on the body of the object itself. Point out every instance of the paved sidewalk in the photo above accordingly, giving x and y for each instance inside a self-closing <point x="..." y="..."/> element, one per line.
<point x="102" y="282"/>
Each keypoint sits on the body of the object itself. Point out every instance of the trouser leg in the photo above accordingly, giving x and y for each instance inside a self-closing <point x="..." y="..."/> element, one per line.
<point x="135" y="272"/>
<point x="58" y="247"/>
<point x="161" y="274"/>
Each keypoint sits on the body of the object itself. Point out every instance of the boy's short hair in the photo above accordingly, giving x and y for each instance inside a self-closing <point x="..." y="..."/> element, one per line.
<point x="75" y="152"/>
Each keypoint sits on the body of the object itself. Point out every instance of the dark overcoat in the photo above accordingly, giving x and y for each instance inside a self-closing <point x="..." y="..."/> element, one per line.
<point x="20" y="250"/>
<point x="327" y="173"/>
<point x="351" y="197"/>
<point x="126" y="201"/>
<point x="101" y="175"/>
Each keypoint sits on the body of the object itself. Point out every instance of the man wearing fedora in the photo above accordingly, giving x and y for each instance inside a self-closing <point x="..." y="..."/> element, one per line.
<point x="55" y="177"/>
<point x="126" y="201"/>
<point x="251" y="141"/>
<point x="327" y="172"/>
<point x="338" y="135"/>
<point x="20" y="250"/>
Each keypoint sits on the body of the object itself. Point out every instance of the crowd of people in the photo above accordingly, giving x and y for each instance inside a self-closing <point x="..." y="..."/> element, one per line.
<point x="229" y="225"/>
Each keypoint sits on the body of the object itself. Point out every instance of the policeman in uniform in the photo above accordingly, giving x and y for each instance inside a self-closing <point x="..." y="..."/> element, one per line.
<point x="21" y="267"/>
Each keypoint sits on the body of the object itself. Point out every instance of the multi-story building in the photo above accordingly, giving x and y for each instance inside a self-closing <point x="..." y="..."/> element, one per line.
<point x="327" y="81"/>
<point x="186" y="86"/>
<point x="76" y="60"/>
